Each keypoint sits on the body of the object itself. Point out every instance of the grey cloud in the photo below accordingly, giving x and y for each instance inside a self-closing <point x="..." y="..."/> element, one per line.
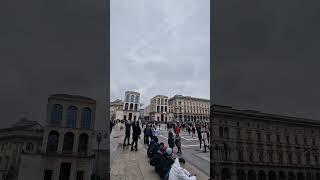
<point x="265" y="56"/>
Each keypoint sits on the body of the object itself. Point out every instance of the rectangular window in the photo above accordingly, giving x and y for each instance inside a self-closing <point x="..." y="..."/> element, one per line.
<point x="80" y="175"/>
<point x="47" y="174"/>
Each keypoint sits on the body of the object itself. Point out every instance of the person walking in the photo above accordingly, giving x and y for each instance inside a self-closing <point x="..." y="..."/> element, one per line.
<point x="170" y="139"/>
<point x="189" y="129"/>
<point x="178" y="143"/>
<point x="135" y="136"/>
<point x="111" y="125"/>
<point x="205" y="140"/>
<point x="127" y="133"/>
<point x="199" y="134"/>
<point x="193" y="131"/>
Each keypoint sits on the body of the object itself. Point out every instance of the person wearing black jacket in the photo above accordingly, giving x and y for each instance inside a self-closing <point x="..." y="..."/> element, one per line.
<point x="170" y="139"/>
<point x="199" y="134"/>
<point x="127" y="133"/>
<point x="135" y="136"/>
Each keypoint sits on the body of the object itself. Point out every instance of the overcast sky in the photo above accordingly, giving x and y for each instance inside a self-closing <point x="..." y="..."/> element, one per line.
<point x="266" y="56"/>
<point x="160" y="47"/>
<point x="49" y="47"/>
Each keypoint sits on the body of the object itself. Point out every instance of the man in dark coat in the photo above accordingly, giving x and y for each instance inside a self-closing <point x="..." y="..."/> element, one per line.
<point x="127" y="133"/>
<point x="170" y="139"/>
<point x="199" y="134"/>
<point x="135" y="136"/>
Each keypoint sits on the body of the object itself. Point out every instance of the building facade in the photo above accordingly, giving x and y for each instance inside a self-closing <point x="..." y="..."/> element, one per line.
<point x="190" y="109"/>
<point x="146" y="113"/>
<point x="159" y="108"/>
<point x="116" y="110"/>
<point x="66" y="150"/>
<point x="131" y="106"/>
<point x="250" y="145"/>
<point x="23" y="137"/>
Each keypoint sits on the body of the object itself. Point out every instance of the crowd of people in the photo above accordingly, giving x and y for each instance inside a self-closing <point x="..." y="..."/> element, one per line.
<point x="163" y="155"/>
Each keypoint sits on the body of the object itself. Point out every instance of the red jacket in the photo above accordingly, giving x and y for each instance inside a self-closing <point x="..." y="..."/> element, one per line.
<point x="177" y="130"/>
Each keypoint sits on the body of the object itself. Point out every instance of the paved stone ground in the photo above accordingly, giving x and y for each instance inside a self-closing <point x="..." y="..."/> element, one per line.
<point x="134" y="165"/>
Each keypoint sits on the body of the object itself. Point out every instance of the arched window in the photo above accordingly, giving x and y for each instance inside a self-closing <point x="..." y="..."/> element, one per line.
<point x="241" y="175"/>
<point x="137" y="99"/>
<point x="83" y="143"/>
<point x="56" y="115"/>
<point x="131" y="106"/>
<point x="86" y="118"/>
<point x="68" y="142"/>
<point x="126" y="106"/>
<point x="127" y="98"/>
<point x="53" y="139"/>
<point x="272" y="175"/>
<point x="132" y="98"/>
<point x="252" y="175"/>
<point x="71" y="117"/>
<point x="262" y="175"/>
<point x="29" y="147"/>
<point x="136" y="107"/>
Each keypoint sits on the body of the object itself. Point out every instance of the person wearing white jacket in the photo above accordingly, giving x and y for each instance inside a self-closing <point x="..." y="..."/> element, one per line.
<point x="178" y="172"/>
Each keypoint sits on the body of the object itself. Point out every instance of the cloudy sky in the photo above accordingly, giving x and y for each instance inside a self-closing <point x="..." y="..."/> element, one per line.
<point x="160" y="47"/>
<point x="49" y="47"/>
<point x="266" y="56"/>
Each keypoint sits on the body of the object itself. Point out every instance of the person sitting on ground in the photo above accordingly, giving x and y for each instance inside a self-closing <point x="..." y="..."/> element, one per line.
<point x="153" y="148"/>
<point x="165" y="164"/>
<point x="155" y="159"/>
<point x="178" y="171"/>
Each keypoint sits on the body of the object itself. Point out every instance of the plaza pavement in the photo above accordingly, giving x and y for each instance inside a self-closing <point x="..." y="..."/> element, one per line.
<point x="134" y="165"/>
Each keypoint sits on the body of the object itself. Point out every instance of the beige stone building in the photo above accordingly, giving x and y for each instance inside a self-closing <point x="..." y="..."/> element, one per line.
<point x="147" y="112"/>
<point x="66" y="150"/>
<point x="23" y="137"/>
<point x="131" y="106"/>
<point x="250" y="145"/>
<point x="159" y="108"/>
<point x="186" y="108"/>
<point x="116" y="110"/>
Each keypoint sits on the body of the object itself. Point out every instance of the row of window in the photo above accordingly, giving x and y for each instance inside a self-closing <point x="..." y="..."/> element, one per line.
<point x="132" y="99"/>
<point x="161" y="109"/>
<point x="279" y="154"/>
<point x="223" y="132"/>
<point x="271" y="175"/>
<point x="71" y="116"/>
<point x="192" y="118"/>
<point x="190" y="103"/>
<point x="126" y="107"/>
<point x="64" y="173"/>
<point x="68" y="142"/>
<point x="162" y="101"/>
<point x="29" y="146"/>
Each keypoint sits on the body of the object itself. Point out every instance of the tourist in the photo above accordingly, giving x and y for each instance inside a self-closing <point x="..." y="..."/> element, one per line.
<point x="135" y="136"/>
<point x="178" y="171"/>
<point x="170" y="139"/>
<point x="199" y="134"/>
<point x="205" y="140"/>
<point x="127" y="133"/>
<point x="178" y="143"/>
<point x="166" y="161"/>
